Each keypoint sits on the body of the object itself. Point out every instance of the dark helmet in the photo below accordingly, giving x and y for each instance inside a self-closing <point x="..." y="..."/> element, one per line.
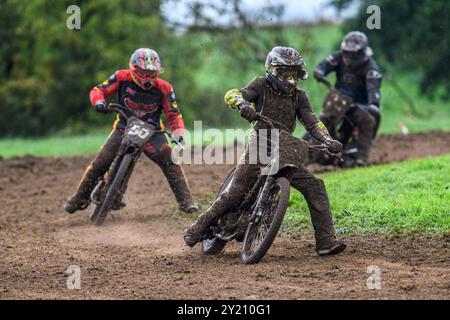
<point x="284" y="67"/>
<point x="145" y="67"/>
<point x="355" y="49"/>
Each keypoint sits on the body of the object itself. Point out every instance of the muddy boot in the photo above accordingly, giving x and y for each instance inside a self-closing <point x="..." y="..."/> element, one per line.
<point x="361" y="162"/>
<point x="198" y="229"/>
<point x="349" y="162"/>
<point x="178" y="184"/>
<point x="76" y="202"/>
<point x="81" y="199"/>
<point x="189" y="207"/>
<point x="330" y="246"/>
<point x="349" y="155"/>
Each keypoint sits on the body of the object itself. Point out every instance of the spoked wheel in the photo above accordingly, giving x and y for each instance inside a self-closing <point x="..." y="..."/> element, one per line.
<point x="260" y="236"/>
<point x="101" y="210"/>
<point x="214" y="245"/>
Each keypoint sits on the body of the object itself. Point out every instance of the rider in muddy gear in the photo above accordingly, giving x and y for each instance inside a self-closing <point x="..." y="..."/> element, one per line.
<point x="276" y="97"/>
<point x="139" y="89"/>
<point x="357" y="77"/>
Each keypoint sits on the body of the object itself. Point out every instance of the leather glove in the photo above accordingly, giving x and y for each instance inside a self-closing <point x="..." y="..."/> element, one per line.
<point x="333" y="146"/>
<point x="248" y="112"/>
<point x="320" y="77"/>
<point x="102" y="107"/>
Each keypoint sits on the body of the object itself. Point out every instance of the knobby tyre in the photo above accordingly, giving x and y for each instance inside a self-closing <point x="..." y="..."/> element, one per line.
<point x="113" y="190"/>
<point x="260" y="236"/>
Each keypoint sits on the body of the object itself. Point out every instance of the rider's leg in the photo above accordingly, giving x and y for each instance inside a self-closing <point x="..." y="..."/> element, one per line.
<point x="159" y="151"/>
<point x="345" y="136"/>
<point x="375" y="112"/>
<point x="244" y="177"/>
<point x="313" y="189"/>
<point x="96" y="169"/>
<point x="365" y="123"/>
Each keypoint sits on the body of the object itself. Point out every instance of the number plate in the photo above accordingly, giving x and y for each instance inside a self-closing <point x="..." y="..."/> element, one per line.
<point x="139" y="131"/>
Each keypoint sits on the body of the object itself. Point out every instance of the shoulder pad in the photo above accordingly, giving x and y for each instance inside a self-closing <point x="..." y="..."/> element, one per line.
<point x="123" y="75"/>
<point x="373" y="74"/>
<point x="164" y="86"/>
<point x="333" y="59"/>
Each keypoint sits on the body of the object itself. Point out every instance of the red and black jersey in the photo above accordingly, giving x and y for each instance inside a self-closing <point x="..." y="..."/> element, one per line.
<point x="160" y="98"/>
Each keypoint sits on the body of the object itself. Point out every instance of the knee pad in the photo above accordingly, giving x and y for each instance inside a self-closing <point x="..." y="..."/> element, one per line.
<point x="162" y="156"/>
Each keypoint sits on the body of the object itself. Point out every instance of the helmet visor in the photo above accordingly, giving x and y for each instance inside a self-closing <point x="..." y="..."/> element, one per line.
<point x="145" y="74"/>
<point x="286" y="72"/>
<point x="289" y="76"/>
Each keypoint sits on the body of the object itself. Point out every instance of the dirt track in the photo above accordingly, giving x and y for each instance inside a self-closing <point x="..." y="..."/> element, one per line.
<point x="139" y="253"/>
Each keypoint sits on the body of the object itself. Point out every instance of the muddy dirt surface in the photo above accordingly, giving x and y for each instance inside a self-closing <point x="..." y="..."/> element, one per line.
<point x="139" y="252"/>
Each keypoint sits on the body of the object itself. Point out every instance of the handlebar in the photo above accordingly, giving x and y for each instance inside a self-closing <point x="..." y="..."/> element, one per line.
<point x="326" y="83"/>
<point x="321" y="147"/>
<point x="120" y="109"/>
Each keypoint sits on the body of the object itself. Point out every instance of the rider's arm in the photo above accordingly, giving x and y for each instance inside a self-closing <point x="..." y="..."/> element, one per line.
<point x="327" y="65"/>
<point x="107" y="88"/>
<point x="312" y="124"/>
<point x="235" y="98"/>
<point x="373" y="84"/>
<point x="170" y="109"/>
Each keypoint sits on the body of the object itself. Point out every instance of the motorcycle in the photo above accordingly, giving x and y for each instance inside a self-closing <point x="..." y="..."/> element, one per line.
<point x="340" y="127"/>
<point x="257" y="219"/>
<point x="110" y="189"/>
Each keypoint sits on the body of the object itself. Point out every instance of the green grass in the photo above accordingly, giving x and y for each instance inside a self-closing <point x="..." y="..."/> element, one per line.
<point x="52" y="146"/>
<point x="402" y="198"/>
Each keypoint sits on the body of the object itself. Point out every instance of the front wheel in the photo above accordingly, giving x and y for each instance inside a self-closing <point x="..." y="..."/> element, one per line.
<point x="260" y="236"/>
<point x="101" y="210"/>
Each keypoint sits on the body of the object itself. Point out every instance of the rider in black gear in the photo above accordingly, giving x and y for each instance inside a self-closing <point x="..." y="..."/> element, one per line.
<point x="277" y="97"/>
<point x="357" y="76"/>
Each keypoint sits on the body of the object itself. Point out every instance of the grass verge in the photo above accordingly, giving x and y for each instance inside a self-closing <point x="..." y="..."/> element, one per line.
<point x="402" y="198"/>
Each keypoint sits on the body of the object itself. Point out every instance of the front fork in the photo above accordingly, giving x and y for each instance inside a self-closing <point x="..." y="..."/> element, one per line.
<point x="104" y="183"/>
<point x="263" y="200"/>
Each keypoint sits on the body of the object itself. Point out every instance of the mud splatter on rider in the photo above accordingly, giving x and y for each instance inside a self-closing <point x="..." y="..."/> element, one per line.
<point x="276" y="96"/>
<point x="358" y="77"/>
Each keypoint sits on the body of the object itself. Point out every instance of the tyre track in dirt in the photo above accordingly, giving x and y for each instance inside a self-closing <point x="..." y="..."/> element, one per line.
<point x="139" y="253"/>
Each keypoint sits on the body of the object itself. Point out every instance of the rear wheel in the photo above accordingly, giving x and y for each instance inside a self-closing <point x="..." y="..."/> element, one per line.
<point x="260" y="236"/>
<point x="101" y="210"/>
<point x="214" y="245"/>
